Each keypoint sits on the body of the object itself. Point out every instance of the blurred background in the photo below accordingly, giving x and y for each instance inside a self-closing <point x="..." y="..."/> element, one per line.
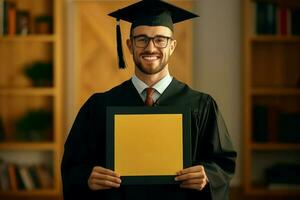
<point x="54" y="54"/>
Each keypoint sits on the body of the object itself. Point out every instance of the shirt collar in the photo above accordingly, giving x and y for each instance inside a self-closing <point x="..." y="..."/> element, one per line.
<point x="160" y="86"/>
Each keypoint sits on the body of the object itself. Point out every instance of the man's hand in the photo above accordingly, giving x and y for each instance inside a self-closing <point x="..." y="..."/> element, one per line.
<point x="102" y="179"/>
<point x="192" y="177"/>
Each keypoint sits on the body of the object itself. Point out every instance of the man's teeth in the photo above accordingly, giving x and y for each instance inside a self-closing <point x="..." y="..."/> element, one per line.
<point x="150" y="57"/>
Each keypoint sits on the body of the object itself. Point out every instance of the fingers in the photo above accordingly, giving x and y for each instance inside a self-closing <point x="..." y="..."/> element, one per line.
<point x="193" y="181"/>
<point x="197" y="168"/>
<point x="102" y="170"/>
<point x="96" y="175"/>
<point x="184" y="177"/>
<point x="197" y="184"/>
<point x="106" y="183"/>
<point x="98" y="187"/>
<point x="102" y="178"/>
<point x="191" y="173"/>
<point x="192" y="177"/>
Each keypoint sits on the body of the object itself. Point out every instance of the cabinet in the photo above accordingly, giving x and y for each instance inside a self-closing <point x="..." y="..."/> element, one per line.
<point x="31" y="96"/>
<point x="271" y="94"/>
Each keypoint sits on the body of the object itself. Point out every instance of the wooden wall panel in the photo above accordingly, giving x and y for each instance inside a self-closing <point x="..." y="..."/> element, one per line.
<point x="96" y="58"/>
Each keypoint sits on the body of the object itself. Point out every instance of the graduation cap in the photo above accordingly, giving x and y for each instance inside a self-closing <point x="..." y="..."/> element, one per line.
<point x="150" y="13"/>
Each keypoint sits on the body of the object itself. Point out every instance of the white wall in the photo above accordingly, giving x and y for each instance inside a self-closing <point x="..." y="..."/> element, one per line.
<point x="217" y="61"/>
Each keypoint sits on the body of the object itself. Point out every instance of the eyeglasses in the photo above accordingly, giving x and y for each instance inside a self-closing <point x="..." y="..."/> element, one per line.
<point x="159" y="41"/>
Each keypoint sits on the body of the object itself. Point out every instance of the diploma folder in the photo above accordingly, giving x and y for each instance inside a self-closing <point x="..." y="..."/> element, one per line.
<point x="148" y="145"/>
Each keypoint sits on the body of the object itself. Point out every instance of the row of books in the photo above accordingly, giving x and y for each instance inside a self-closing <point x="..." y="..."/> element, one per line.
<point x="272" y="19"/>
<point x="22" y="177"/>
<point x="12" y="20"/>
<point x="283" y="176"/>
<point x="270" y="124"/>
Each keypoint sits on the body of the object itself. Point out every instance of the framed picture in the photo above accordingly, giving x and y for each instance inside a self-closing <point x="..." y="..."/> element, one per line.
<point x="148" y="145"/>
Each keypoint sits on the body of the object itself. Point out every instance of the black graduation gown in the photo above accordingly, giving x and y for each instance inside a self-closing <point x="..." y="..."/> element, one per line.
<point x="211" y="146"/>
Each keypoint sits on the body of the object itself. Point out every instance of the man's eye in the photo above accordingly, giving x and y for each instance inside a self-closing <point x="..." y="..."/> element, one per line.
<point x="142" y="39"/>
<point x="160" y="40"/>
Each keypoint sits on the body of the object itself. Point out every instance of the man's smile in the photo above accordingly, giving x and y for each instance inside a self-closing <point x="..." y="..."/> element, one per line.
<point x="152" y="57"/>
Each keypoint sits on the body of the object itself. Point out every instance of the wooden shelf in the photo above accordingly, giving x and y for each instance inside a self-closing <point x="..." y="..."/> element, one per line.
<point x="16" y="52"/>
<point x="270" y="79"/>
<point x="275" y="146"/>
<point x="275" y="38"/>
<point x="23" y="193"/>
<point x="27" y="146"/>
<point x="265" y="191"/>
<point x="275" y="91"/>
<point x="42" y="91"/>
<point x="28" y="38"/>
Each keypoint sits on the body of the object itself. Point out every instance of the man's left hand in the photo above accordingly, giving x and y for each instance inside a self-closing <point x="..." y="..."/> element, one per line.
<point x="192" y="177"/>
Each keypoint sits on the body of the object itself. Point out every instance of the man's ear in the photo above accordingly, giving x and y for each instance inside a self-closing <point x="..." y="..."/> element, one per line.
<point x="173" y="46"/>
<point x="129" y="45"/>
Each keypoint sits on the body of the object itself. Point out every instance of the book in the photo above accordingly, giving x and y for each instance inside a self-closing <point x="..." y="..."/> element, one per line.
<point x="260" y="12"/>
<point x="4" y="178"/>
<point x="12" y="176"/>
<point x="271" y="19"/>
<point x="265" y="18"/>
<point x="20" y="183"/>
<point x="260" y="123"/>
<point x="11" y="20"/>
<point x="272" y="123"/>
<point x="26" y="178"/>
<point x="254" y="17"/>
<point x="283" y="21"/>
<point x="295" y="21"/>
<point x="44" y="177"/>
<point x="34" y="176"/>
<point x="289" y="22"/>
<point x="5" y="17"/>
<point x="289" y="128"/>
<point x="1" y="17"/>
<point x="23" y="22"/>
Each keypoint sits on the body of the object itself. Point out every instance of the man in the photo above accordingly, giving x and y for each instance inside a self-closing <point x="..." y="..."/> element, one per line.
<point x="151" y="44"/>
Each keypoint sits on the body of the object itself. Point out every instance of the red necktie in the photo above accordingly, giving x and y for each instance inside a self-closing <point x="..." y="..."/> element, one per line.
<point x="149" y="100"/>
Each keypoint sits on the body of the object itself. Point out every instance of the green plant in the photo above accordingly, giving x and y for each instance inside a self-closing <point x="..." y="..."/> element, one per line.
<point x="40" y="73"/>
<point x="34" y="125"/>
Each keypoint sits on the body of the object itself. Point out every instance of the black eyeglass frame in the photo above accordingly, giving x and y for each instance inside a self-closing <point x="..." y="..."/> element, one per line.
<point x="151" y="38"/>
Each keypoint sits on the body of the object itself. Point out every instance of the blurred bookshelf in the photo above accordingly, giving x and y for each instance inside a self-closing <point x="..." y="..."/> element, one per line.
<point x="28" y="38"/>
<point x="30" y="99"/>
<point x="271" y="96"/>
<point x="275" y="146"/>
<point x="275" y="38"/>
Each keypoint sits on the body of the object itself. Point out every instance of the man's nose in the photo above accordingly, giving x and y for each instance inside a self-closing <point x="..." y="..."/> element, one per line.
<point x="150" y="46"/>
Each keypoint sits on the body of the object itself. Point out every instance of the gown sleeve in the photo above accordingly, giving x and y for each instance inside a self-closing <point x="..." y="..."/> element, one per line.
<point x="76" y="163"/>
<point x="214" y="150"/>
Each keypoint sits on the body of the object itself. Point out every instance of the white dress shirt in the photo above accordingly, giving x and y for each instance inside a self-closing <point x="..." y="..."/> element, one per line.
<point x="159" y="87"/>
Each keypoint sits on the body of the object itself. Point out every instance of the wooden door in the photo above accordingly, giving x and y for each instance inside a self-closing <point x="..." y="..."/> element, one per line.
<point x="96" y="67"/>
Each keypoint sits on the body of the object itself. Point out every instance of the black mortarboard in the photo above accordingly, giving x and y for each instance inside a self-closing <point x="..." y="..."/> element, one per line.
<point x="150" y="13"/>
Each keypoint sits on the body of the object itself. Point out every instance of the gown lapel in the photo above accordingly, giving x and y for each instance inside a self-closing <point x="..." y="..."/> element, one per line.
<point x="131" y="96"/>
<point x="169" y="95"/>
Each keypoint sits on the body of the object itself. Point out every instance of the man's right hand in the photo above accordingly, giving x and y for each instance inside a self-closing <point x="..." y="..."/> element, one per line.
<point x="102" y="179"/>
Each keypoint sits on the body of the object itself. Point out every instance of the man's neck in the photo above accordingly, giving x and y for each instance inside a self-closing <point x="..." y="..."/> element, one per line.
<point x="151" y="79"/>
